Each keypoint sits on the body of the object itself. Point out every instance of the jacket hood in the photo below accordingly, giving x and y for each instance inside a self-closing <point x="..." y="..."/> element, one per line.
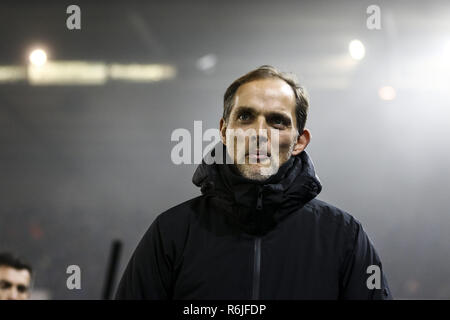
<point x="257" y="206"/>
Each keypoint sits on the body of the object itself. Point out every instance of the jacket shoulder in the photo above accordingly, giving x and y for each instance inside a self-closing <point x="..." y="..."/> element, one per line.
<point x="180" y="209"/>
<point x="178" y="215"/>
<point x="327" y="212"/>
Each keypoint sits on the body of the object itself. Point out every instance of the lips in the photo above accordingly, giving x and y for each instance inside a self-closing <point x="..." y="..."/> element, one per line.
<point x="258" y="156"/>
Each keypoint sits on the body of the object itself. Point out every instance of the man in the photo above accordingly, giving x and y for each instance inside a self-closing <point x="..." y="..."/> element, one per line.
<point x="15" y="278"/>
<point x="257" y="231"/>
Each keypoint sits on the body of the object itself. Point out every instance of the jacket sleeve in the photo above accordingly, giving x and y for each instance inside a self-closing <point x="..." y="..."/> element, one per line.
<point x="148" y="274"/>
<point x="362" y="276"/>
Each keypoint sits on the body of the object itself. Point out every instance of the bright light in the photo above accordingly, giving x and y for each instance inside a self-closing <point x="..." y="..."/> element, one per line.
<point x="12" y="73"/>
<point x="387" y="93"/>
<point x="38" y="57"/>
<point x="356" y="49"/>
<point x="96" y="73"/>
<point x="141" y="72"/>
<point x="207" y="62"/>
<point x="68" y="73"/>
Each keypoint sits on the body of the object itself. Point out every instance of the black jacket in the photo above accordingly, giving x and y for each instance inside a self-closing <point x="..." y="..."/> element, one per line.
<point x="243" y="239"/>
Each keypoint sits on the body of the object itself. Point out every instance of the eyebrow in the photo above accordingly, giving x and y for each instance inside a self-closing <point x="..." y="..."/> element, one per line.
<point x="284" y="114"/>
<point x="244" y="109"/>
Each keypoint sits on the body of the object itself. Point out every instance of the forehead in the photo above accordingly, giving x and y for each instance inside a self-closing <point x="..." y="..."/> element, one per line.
<point x="13" y="275"/>
<point x="268" y="93"/>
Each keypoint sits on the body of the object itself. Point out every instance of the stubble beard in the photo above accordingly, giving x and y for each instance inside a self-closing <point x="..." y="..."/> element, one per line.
<point x="261" y="173"/>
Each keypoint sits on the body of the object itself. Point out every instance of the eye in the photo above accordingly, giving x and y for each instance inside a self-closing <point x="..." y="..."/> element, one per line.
<point x="245" y="116"/>
<point x="21" y="288"/>
<point x="5" y="284"/>
<point x="280" y="122"/>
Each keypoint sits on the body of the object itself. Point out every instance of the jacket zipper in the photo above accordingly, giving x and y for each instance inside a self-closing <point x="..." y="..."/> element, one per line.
<point x="259" y="204"/>
<point x="256" y="268"/>
<point x="257" y="254"/>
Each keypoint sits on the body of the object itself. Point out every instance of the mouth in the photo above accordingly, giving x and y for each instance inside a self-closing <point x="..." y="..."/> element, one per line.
<point x="259" y="157"/>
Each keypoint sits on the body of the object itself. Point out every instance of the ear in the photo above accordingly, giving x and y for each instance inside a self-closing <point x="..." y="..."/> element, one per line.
<point x="223" y="131"/>
<point x="302" y="141"/>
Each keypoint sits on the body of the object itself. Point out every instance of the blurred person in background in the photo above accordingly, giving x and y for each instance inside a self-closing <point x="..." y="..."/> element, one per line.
<point x="15" y="278"/>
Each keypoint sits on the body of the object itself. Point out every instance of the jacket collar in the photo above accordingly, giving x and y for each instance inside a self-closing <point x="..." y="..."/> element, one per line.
<point x="258" y="206"/>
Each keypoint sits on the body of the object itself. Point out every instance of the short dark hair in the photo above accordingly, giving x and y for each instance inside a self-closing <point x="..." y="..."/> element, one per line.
<point x="264" y="72"/>
<point x="9" y="260"/>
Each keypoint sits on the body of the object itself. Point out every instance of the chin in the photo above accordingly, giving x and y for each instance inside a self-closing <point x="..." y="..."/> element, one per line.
<point x="256" y="171"/>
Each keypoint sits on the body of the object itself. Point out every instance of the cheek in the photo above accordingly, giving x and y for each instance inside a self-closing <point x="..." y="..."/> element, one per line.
<point x="237" y="138"/>
<point x="24" y="295"/>
<point x="236" y="146"/>
<point x="284" y="141"/>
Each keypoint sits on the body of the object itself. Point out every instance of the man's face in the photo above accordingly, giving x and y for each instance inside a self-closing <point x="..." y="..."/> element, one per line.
<point x="14" y="283"/>
<point x="265" y="111"/>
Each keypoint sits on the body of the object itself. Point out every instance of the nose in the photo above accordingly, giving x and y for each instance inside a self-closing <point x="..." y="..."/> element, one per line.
<point x="13" y="294"/>
<point x="261" y="123"/>
<point x="261" y="130"/>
